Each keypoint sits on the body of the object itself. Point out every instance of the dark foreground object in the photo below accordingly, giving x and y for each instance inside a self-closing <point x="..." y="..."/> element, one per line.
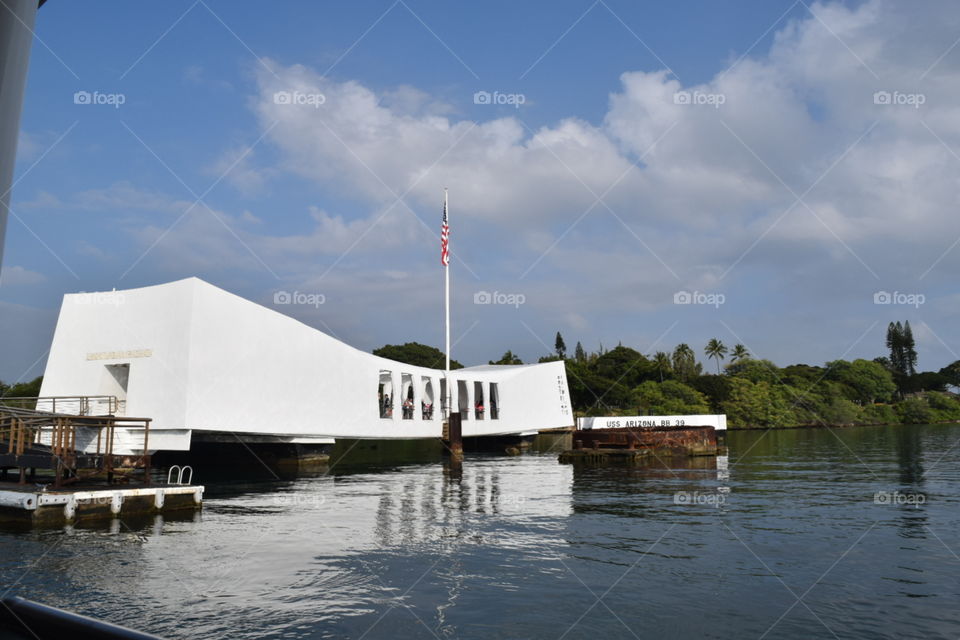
<point x="21" y="618"/>
<point x="633" y="446"/>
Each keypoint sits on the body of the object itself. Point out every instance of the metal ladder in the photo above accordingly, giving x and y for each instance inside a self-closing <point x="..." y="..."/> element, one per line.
<point x="179" y="474"/>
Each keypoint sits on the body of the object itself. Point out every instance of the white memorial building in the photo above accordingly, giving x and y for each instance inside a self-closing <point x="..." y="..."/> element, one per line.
<point x="205" y="363"/>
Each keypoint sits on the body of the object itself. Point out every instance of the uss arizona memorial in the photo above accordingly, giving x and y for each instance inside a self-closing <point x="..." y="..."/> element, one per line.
<point x="205" y="363"/>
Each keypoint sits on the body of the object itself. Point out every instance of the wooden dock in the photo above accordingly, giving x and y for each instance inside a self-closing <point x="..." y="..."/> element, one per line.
<point x="33" y="505"/>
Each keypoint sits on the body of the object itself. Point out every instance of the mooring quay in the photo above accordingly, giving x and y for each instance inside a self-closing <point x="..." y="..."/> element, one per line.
<point x="65" y="468"/>
<point x="27" y="503"/>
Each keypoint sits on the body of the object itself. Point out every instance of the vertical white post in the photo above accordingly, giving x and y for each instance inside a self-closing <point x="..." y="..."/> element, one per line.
<point x="446" y="277"/>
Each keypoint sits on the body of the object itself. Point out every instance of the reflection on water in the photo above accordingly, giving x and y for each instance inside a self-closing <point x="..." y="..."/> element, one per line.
<point x="527" y="547"/>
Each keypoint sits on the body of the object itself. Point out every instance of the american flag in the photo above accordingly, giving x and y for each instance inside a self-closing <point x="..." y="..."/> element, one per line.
<point x="445" y="238"/>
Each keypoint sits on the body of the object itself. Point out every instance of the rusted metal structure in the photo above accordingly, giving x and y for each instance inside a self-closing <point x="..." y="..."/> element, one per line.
<point x="452" y="436"/>
<point x="598" y="446"/>
<point x="452" y="439"/>
<point x="74" y="446"/>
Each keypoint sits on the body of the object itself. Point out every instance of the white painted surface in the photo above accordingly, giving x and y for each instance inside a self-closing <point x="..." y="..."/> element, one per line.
<point x="30" y="501"/>
<point x="203" y="359"/>
<point x="718" y="422"/>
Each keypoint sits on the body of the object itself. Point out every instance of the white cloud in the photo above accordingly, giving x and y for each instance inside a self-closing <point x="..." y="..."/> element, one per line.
<point x="124" y="196"/>
<point x="16" y="276"/>
<point x="356" y="143"/>
<point x="723" y="176"/>
<point x="235" y="166"/>
<point x="29" y="147"/>
<point x="43" y="200"/>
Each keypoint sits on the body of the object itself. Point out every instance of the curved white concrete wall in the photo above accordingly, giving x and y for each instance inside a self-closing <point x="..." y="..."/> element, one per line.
<point x="201" y="358"/>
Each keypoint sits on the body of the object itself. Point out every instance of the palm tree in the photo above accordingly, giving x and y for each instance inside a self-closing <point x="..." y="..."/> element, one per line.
<point x="715" y="349"/>
<point x="662" y="362"/>
<point x="739" y="353"/>
<point x="684" y="361"/>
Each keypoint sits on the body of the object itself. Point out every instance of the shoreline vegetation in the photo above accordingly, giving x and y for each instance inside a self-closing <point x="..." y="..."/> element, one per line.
<point x="757" y="394"/>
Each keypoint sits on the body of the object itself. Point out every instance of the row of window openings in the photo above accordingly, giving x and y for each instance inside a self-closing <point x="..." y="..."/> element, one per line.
<point x="386" y="398"/>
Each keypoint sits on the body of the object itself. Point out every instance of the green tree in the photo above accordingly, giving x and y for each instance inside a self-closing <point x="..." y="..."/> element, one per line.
<point x="801" y="376"/>
<point x="895" y="345"/>
<point x="835" y="406"/>
<point x="880" y="414"/>
<point x="757" y="405"/>
<point x="715" y="349"/>
<point x="903" y="352"/>
<point x="915" y="411"/>
<point x="579" y="354"/>
<point x="662" y="362"/>
<point x="755" y="370"/>
<point x="29" y="389"/>
<point x="560" y="346"/>
<point x="945" y="406"/>
<point x="715" y="388"/>
<point x="866" y="382"/>
<point x="685" y="365"/>
<point x="626" y="366"/>
<point x="909" y="349"/>
<point x="669" y="398"/>
<point x="419" y="355"/>
<point x="806" y="404"/>
<point x="508" y="358"/>
<point x="951" y="374"/>
<point x="924" y="381"/>
<point x="739" y="353"/>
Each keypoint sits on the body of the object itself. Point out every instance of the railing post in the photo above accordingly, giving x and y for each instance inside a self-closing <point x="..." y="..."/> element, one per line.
<point x="146" y="452"/>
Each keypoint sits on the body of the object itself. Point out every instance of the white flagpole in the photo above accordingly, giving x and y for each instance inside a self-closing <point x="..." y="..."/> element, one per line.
<point x="446" y="272"/>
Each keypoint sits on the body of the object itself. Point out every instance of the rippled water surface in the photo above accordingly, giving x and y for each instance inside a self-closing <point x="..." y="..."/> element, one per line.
<point x="801" y="534"/>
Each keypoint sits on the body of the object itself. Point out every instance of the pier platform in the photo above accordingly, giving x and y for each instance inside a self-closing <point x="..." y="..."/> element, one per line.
<point x="35" y="505"/>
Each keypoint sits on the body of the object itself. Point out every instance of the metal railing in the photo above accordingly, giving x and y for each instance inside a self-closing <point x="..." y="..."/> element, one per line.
<point x="73" y="405"/>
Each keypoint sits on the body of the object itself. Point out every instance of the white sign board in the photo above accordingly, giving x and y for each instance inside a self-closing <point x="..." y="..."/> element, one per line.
<point x="718" y="422"/>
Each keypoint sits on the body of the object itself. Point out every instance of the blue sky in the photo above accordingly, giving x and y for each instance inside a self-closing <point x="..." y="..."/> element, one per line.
<point x="785" y="194"/>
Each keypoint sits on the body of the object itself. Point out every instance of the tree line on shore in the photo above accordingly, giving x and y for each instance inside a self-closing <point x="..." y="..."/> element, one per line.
<point x="756" y="393"/>
<point x="29" y="389"/>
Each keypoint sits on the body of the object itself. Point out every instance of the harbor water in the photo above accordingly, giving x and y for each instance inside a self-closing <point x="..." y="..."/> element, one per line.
<point x="851" y="533"/>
